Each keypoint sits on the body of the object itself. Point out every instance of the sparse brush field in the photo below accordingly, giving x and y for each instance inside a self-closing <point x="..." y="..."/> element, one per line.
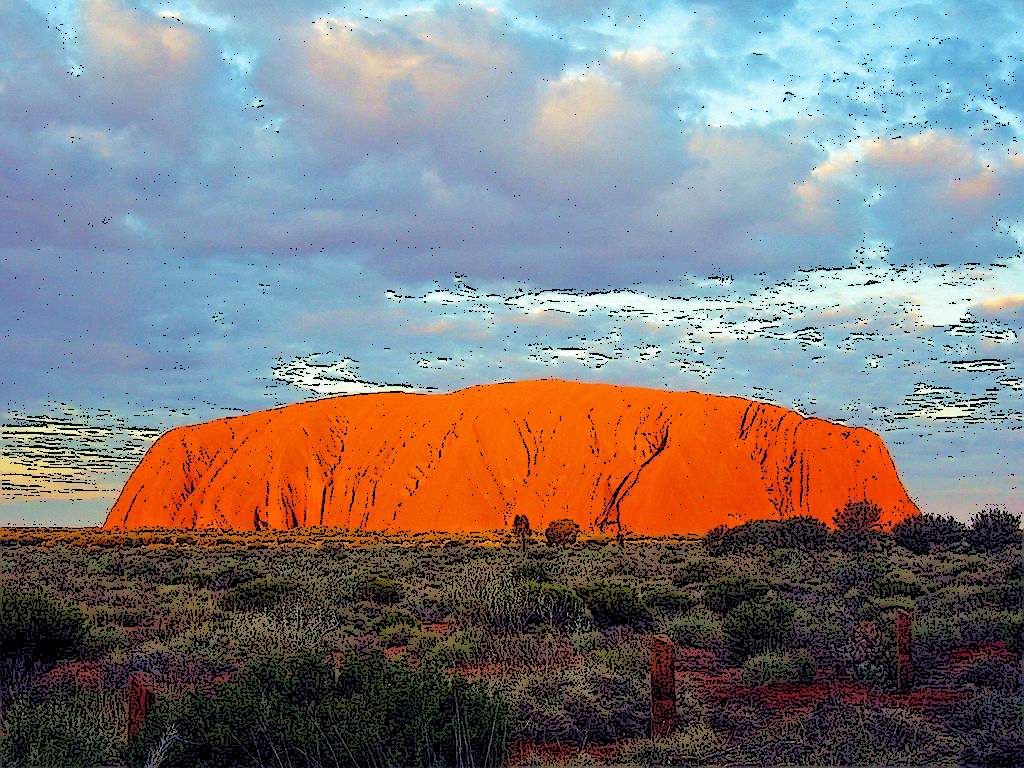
<point x="329" y="648"/>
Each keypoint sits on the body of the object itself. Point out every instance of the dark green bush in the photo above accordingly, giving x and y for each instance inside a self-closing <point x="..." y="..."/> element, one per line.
<point x="700" y="628"/>
<point x="533" y="570"/>
<point x="837" y="733"/>
<point x="294" y="711"/>
<point x="61" y="728"/>
<point x="379" y="590"/>
<point x="571" y="706"/>
<point x="993" y="530"/>
<point x="35" y="627"/>
<point x="562" y="533"/>
<point x="692" y="744"/>
<point x="713" y="538"/>
<point x="922" y="533"/>
<point x="669" y="599"/>
<point x="993" y="729"/>
<point x="800" y="532"/>
<point x="726" y="592"/>
<point x="614" y="603"/>
<point x="758" y="625"/>
<point x="805" y="665"/>
<point x="995" y="673"/>
<point x="553" y="604"/>
<point x="258" y="594"/>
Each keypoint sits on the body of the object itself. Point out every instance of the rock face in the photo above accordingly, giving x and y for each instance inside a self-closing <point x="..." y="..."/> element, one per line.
<point x="640" y="460"/>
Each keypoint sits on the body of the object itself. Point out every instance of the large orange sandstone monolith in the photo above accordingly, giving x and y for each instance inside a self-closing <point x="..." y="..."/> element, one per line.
<point x="609" y="457"/>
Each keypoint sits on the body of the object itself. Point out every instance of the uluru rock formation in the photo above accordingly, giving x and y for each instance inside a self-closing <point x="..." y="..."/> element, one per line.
<point x="610" y="457"/>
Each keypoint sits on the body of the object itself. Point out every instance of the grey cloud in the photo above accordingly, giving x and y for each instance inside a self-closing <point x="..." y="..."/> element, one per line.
<point x="68" y="454"/>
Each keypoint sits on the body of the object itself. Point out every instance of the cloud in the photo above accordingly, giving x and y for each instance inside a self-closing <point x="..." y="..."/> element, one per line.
<point x="573" y="155"/>
<point x="936" y="296"/>
<point x="980" y="365"/>
<point x="593" y="352"/>
<point x="1003" y="306"/>
<point x="938" y="195"/>
<point x="943" y="404"/>
<point x="317" y="373"/>
<point x="68" y="454"/>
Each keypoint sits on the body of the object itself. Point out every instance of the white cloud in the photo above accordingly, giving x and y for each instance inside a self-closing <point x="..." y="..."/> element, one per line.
<point x="980" y="366"/>
<point x="322" y="375"/>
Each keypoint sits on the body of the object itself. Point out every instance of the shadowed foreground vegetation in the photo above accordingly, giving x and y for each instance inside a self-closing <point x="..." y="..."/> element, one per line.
<point x="330" y="648"/>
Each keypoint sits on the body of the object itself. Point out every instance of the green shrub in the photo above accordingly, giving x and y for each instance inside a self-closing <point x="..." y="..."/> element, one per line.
<point x="992" y="727"/>
<point x="495" y="600"/>
<point x="669" y="599"/>
<point x="944" y="630"/>
<point x="700" y="628"/>
<point x="533" y="570"/>
<point x="994" y="673"/>
<point x="775" y="667"/>
<point x="378" y="590"/>
<point x="578" y="705"/>
<point x="614" y="603"/>
<point x="293" y="711"/>
<point x="922" y="533"/>
<point x="35" y="627"/>
<point x="553" y="604"/>
<point x="837" y="733"/>
<point x="562" y="533"/>
<point x="877" y="607"/>
<point x="764" y="623"/>
<point x="804" y="532"/>
<point x="459" y="647"/>
<point x="993" y="530"/>
<point x="726" y="592"/>
<point x="215" y="574"/>
<point x="397" y="635"/>
<point x="258" y="594"/>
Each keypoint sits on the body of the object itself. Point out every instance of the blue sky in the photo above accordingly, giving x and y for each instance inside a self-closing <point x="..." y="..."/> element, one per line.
<point x="210" y="207"/>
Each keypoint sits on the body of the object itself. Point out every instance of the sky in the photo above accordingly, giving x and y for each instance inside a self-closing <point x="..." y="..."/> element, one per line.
<point x="215" y="206"/>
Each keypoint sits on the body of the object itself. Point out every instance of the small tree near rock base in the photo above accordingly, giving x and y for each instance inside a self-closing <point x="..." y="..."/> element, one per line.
<point x="521" y="528"/>
<point x="857" y="523"/>
<point x="562" y="533"/>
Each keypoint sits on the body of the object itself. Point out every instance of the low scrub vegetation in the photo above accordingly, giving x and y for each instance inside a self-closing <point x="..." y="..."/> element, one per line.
<point x="330" y="648"/>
